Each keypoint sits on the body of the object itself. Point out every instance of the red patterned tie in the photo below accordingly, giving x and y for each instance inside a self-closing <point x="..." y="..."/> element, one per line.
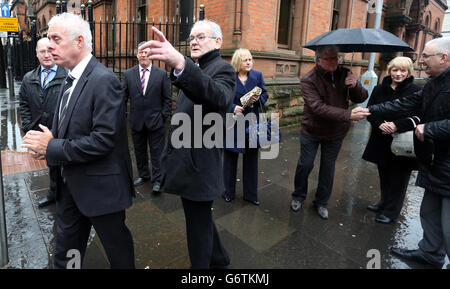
<point x="143" y="79"/>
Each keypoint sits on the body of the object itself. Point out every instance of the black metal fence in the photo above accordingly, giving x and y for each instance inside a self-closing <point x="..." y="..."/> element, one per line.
<point x="114" y="42"/>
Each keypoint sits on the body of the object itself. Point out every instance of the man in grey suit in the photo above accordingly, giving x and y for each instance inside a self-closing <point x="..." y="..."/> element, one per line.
<point x="150" y="94"/>
<point x="195" y="171"/>
<point x="88" y="146"/>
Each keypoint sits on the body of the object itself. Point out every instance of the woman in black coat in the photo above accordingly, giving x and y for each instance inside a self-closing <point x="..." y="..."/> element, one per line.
<point x="394" y="171"/>
<point x="246" y="79"/>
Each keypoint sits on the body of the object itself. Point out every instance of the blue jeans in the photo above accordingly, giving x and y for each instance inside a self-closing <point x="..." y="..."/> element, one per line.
<point x="308" y="149"/>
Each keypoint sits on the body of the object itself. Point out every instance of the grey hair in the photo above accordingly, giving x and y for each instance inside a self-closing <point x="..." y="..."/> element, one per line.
<point x="215" y="28"/>
<point x="441" y="45"/>
<point x="75" y="26"/>
<point x="325" y="49"/>
<point x="141" y="43"/>
<point x="44" y="39"/>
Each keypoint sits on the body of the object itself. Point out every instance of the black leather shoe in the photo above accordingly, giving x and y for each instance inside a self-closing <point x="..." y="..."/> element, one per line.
<point x="373" y="208"/>
<point x="227" y="199"/>
<point x="256" y="203"/>
<point x="140" y="181"/>
<point x="156" y="187"/>
<point x="45" y="202"/>
<point x="383" y="219"/>
<point x="414" y="255"/>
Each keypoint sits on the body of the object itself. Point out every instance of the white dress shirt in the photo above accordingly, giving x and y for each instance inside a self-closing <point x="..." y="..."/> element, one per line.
<point x="76" y="73"/>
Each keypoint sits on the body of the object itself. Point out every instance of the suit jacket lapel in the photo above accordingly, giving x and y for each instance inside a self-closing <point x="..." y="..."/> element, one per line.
<point x="249" y="84"/>
<point x="137" y="77"/>
<point x="76" y="94"/>
<point x="251" y="81"/>
<point x="150" y="83"/>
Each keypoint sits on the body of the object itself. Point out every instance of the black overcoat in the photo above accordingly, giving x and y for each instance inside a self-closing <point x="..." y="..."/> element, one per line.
<point x="378" y="149"/>
<point x="37" y="105"/>
<point x="195" y="171"/>
<point x="90" y="146"/>
<point x="433" y="154"/>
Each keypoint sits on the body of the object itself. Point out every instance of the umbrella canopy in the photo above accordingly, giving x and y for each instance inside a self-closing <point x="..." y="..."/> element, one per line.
<point x="360" y="40"/>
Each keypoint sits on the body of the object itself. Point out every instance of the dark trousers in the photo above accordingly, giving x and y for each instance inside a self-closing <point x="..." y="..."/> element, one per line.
<point x="204" y="246"/>
<point x="73" y="230"/>
<point x="249" y="173"/>
<point x="155" y="139"/>
<point x="435" y="220"/>
<point x="53" y="171"/>
<point x="329" y="150"/>
<point x="394" y="180"/>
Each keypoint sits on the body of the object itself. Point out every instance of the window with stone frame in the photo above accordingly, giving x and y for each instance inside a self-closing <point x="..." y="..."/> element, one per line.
<point x="284" y="24"/>
<point x="437" y="26"/>
<point x="186" y="12"/>
<point x="341" y="14"/>
<point x="336" y="14"/>
<point x="141" y="20"/>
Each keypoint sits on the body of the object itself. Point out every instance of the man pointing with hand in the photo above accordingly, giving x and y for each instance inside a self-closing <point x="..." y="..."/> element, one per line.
<point x="208" y="82"/>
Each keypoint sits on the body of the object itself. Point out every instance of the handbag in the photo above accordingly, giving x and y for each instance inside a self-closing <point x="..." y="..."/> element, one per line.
<point x="403" y="144"/>
<point x="261" y="132"/>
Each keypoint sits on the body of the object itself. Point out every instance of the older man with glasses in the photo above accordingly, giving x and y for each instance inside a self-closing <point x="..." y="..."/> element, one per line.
<point x="194" y="171"/>
<point x="432" y="148"/>
<point x="326" y="120"/>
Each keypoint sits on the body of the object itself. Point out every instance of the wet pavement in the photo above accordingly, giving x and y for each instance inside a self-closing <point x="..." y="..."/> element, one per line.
<point x="268" y="236"/>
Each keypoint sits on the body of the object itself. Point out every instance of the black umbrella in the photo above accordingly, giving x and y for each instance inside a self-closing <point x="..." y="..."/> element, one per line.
<point x="360" y="40"/>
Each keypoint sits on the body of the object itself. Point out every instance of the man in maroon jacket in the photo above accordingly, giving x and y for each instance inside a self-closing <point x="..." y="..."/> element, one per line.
<point x="326" y="120"/>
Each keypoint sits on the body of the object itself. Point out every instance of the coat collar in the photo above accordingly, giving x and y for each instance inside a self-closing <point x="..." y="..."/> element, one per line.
<point x="208" y="57"/>
<point x="387" y="81"/>
<point x="138" y="68"/>
<point x="36" y="74"/>
<point x="327" y="74"/>
<point x="249" y="84"/>
<point x="75" y="94"/>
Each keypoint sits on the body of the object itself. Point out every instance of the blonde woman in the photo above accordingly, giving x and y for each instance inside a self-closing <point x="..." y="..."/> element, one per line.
<point x="394" y="171"/>
<point x="246" y="79"/>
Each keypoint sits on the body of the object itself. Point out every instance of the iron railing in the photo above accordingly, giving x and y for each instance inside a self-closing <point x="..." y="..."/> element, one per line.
<point x="114" y="41"/>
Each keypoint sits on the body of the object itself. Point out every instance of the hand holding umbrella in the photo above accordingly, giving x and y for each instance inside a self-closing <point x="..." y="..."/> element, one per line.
<point x="350" y="80"/>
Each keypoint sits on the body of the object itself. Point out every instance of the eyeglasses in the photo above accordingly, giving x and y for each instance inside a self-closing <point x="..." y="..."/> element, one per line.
<point x="329" y="58"/>
<point x="199" y="38"/>
<point x="43" y="52"/>
<point x="425" y="56"/>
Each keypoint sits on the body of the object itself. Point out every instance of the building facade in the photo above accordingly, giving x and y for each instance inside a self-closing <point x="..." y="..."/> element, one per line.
<point x="273" y="30"/>
<point x="446" y="25"/>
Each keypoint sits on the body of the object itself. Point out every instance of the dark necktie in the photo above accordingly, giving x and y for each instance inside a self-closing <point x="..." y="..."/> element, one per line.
<point x="45" y="72"/>
<point x="64" y="100"/>
<point x="143" y="79"/>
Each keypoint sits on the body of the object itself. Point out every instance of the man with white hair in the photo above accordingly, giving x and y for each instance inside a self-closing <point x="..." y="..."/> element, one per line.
<point x="432" y="148"/>
<point x="88" y="145"/>
<point x="38" y="95"/>
<point x="194" y="172"/>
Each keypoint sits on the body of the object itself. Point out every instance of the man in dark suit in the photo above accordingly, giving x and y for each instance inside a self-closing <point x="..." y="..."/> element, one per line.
<point x="88" y="146"/>
<point x="38" y="95"/>
<point x="194" y="171"/>
<point x="150" y="96"/>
